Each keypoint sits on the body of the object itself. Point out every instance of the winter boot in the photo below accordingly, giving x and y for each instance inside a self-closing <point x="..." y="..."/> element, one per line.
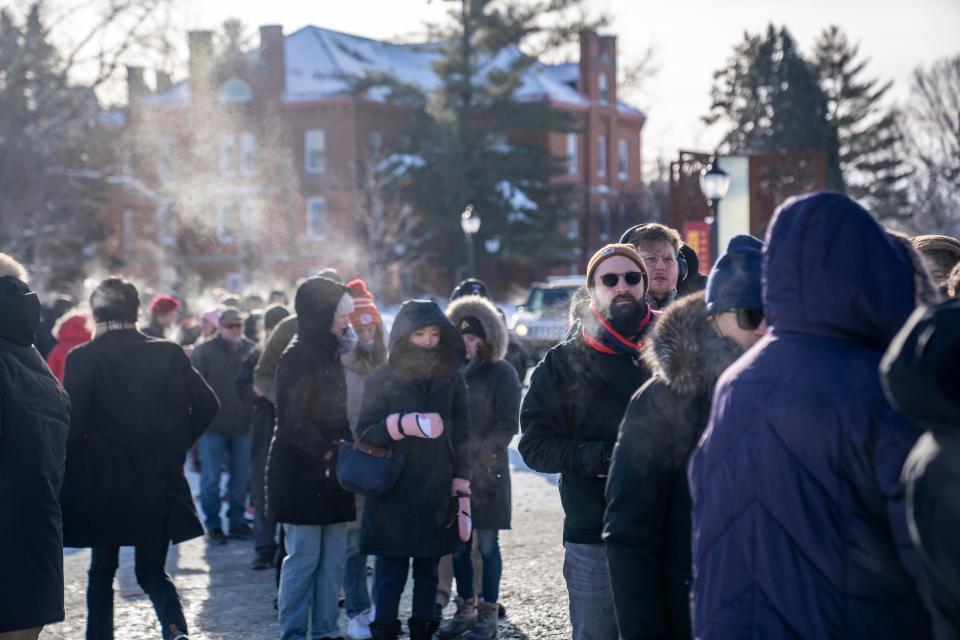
<point x="385" y="630"/>
<point x="486" y="627"/>
<point x="463" y="620"/>
<point x="422" y="629"/>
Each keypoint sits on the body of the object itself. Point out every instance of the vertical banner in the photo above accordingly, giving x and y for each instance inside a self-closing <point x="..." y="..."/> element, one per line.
<point x="697" y="235"/>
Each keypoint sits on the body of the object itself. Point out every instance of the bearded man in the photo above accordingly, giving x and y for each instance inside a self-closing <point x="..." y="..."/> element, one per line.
<point x="570" y="418"/>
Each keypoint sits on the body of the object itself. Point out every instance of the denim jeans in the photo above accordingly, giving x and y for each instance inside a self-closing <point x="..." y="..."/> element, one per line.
<point x="149" y="563"/>
<point x="310" y="577"/>
<point x="588" y="585"/>
<point x="393" y="578"/>
<point x="356" y="596"/>
<point x="214" y="447"/>
<point x="488" y="544"/>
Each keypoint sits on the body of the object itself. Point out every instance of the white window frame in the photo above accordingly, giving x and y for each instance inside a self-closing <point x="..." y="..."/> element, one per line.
<point x="248" y="154"/>
<point x="164" y="160"/>
<point x="166" y="224"/>
<point x="573" y="228"/>
<point x="623" y="162"/>
<point x="316" y="231"/>
<point x="603" y="88"/>
<point x="603" y="213"/>
<point x="602" y="156"/>
<point x="249" y="222"/>
<point x="228" y="155"/>
<point x="573" y="155"/>
<point x="315" y="142"/>
<point x="226" y="219"/>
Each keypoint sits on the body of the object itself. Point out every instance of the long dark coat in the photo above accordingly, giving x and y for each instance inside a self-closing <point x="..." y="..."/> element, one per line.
<point x="921" y="372"/>
<point x="34" y="419"/>
<point x="219" y="363"/>
<point x="647" y="522"/>
<point x="799" y="517"/>
<point x="493" y="392"/>
<point x="302" y="485"/>
<point x="138" y="406"/>
<point x="417" y="518"/>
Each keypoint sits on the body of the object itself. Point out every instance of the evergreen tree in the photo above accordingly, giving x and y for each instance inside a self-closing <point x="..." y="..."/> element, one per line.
<point x="869" y="135"/>
<point x="770" y="98"/>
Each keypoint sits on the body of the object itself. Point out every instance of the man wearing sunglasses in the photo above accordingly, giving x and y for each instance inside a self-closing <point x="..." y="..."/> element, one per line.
<point x="570" y="416"/>
<point x="647" y="521"/>
<point x="228" y="440"/>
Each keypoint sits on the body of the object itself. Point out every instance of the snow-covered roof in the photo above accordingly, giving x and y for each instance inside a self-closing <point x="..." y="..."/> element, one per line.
<point x="176" y="95"/>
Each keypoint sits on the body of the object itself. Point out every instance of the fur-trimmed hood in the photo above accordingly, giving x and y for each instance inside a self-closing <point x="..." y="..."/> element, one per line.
<point x="484" y="311"/>
<point x="685" y="352"/>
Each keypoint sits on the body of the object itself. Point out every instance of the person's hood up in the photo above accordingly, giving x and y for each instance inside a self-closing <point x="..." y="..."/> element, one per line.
<point x="416" y="314"/>
<point x="20" y="315"/>
<point x="316" y="304"/>
<point x="685" y="352"/>
<point x="830" y="269"/>
<point x="74" y="329"/>
<point x="921" y="369"/>
<point x="484" y="311"/>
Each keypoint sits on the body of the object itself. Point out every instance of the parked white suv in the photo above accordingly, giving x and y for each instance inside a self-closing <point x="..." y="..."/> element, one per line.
<point x="543" y="320"/>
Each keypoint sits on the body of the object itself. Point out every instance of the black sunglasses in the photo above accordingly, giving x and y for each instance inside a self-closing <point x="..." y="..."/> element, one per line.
<point x="233" y="325"/>
<point x="632" y="278"/>
<point x="749" y="319"/>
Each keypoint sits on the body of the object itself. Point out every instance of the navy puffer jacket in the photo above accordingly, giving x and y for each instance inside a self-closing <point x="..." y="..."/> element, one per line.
<point x="799" y="523"/>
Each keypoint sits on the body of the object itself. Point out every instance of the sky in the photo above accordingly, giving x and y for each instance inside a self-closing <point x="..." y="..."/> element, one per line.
<point x="690" y="39"/>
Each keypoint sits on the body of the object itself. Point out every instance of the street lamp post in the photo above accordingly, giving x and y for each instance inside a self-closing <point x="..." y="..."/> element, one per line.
<point x="714" y="183"/>
<point x="492" y="245"/>
<point x="470" y="223"/>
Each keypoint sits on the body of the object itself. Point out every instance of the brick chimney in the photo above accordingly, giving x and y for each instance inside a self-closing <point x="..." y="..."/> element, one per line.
<point x="598" y="55"/>
<point x="163" y="81"/>
<point x="201" y="61"/>
<point x="136" y="86"/>
<point x="272" y="59"/>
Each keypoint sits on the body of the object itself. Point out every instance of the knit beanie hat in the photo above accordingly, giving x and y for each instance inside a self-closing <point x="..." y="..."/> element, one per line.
<point x="470" y="287"/>
<point x="365" y="312"/>
<point x="163" y="303"/>
<point x="473" y="326"/>
<point x="611" y="250"/>
<point x="735" y="281"/>
<point x="273" y="315"/>
<point x="936" y="243"/>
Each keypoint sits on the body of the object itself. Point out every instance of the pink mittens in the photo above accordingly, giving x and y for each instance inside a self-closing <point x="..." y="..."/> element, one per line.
<point x="414" y="425"/>
<point x="461" y="489"/>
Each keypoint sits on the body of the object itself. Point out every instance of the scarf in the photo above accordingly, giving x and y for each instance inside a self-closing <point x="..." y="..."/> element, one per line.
<point x="602" y="337"/>
<point x="113" y="325"/>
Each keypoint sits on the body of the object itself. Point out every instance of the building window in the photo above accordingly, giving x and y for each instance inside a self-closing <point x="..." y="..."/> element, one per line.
<point x="249" y="220"/>
<point x="375" y="143"/>
<point x="228" y="155"/>
<point x="573" y="157"/>
<point x="248" y="154"/>
<point x="166" y="224"/>
<point x="604" y="219"/>
<point x="601" y="156"/>
<point x="129" y="233"/>
<point x="604" y="88"/>
<point x="622" y="164"/>
<point x="164" y="157"/>
<point x="573" y="229"/>
<point x="226" y="222"/>
<point x="235" y="90"/>
<point x="316" y="218"/>
<point x="315" y="151"/>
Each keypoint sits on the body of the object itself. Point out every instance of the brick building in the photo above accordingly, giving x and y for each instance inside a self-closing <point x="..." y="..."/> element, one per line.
<point x="255" y="164"/>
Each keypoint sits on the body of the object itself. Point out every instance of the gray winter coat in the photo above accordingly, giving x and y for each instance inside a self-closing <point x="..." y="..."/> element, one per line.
<point x="219" y="363"/>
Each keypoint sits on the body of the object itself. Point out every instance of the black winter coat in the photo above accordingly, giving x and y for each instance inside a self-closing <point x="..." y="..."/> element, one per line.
<point x="493" y="392"/>
<point x="138" y="406"/>
<point x="302" y="485"/>
<point x="569" y="419"/>
<point x="417" y="518"/>
<point x="921" y="374"/>
<point x="647" y="523"/>
<point x="219" y="363"/>
<point x="34" y="419"/>
<point x="263" y="419"/>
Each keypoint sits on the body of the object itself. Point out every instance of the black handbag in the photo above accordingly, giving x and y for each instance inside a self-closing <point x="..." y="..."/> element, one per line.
<point x="368" y="470"/>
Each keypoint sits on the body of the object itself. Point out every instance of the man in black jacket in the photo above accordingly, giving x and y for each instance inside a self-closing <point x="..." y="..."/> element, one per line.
<point x="34" y="418"/>
<point x="647" y="522"/>
<point x="570" y="416"/>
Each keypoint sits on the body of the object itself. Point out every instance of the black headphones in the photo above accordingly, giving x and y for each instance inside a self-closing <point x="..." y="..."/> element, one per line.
<point x="681" y="261"/>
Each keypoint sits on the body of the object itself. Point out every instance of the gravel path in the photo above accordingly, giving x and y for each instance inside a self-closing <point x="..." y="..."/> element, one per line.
<point x="223" y="598"/>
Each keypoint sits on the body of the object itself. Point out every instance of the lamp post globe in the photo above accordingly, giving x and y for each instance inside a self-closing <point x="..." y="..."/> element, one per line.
<point x="714" y="183"/>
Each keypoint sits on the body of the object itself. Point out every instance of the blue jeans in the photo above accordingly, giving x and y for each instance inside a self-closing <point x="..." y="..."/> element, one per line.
<point x="488" y="544"/>
<point x="311" y="576"/>
<point x="355" y="594"/>
<point x="393" y="578"/>
<point x="588" y="585"/>
<point x="214" y="447"/>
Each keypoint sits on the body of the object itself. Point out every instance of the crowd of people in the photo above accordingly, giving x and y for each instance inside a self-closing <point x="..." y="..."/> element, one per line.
<point x="734" y="450"/>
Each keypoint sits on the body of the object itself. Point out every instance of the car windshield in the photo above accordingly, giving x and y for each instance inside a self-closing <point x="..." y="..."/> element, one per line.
<point x="552" y="299"/>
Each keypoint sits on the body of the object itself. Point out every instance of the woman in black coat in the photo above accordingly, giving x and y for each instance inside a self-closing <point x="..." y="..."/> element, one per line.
<point x="416" y="404"/>
<point x="303" y="493"/>
<point x="137" y="407"/>
<point x="493" y="391"/>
